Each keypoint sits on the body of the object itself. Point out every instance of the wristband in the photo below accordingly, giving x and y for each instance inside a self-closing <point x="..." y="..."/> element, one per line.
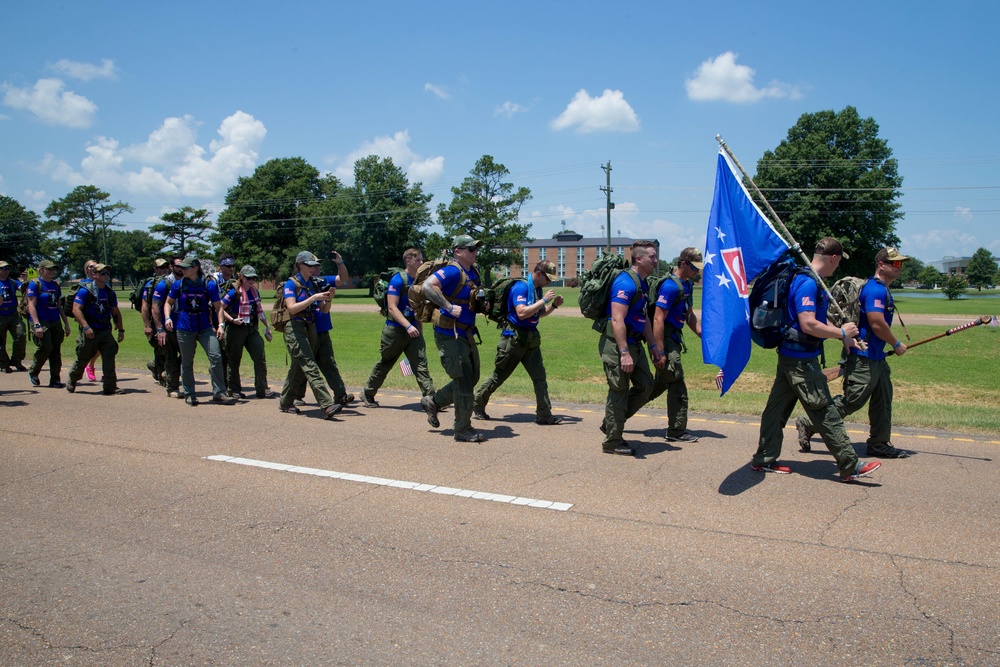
<point x="898" y="343"/>
<point x="545" y="300"/>
<point x="121" y="331"/>
<point x="622" y="350"/>
<point x="161" y="330"/>
<point x="38" y="325"/>
<point x="86" y="328"/>
<point x="843" y="334"/>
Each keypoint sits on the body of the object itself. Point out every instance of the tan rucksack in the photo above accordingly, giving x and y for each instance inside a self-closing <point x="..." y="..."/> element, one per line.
<point x="423" y="309"/>
<point x="279" y="312"/>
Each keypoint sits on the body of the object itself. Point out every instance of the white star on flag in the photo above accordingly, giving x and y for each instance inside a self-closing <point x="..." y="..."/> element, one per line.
<point x="723" y="280"/>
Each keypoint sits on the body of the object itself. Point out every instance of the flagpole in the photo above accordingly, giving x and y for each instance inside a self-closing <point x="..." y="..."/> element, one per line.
<point x="777" y="219"/>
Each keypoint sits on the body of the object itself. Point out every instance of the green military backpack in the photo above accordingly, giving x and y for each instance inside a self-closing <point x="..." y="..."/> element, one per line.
<point x="845" y="293"/>
<point x="497" y="306"/>
<point x="595" y="285"/>
<point x="381" y="290"/>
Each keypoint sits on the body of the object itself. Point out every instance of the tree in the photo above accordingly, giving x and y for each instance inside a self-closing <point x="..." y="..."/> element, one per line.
<point x="929" y="276"/>
<point x="486" y="208"/>
<point x="184" y="230"/>
<point x="833" y="176"/>
<point x="436" y="245"/>
<point x="81" y="220"/>
<point x="372" y="222"/>
<point x="911" y="269"/>
<point x="954" y="286"/>
<point x="981" y="269"/>
<point x="263" y="216"/>
<point x="996" y="277"/>
<point x="131" y="255"/>
<point x="20" y="235"/>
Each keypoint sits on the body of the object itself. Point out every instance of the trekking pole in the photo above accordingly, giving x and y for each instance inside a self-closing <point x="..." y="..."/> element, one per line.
<point x="788" y="235"/>
<point x="985" y="319"/>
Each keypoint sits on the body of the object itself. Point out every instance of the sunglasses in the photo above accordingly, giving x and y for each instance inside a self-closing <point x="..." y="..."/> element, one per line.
<point x="104" y="273"/>
<point x="896" y="264"/>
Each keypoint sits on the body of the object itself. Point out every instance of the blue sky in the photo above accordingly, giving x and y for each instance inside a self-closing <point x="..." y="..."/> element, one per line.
<point x="166" y="104"/>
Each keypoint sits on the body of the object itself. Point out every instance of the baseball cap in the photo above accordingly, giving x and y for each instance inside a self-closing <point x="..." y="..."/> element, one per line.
<point x="465" y="241"/>
<point x="890" y="254"/>
<point x="189" y="261"/>
<point x="830" y="246"/>
<point x="549" y="269"/>
<point x="248" y="272"/>
<point x="4" y="265"/>
<point x="47" y="264"/>
<point x="692" y="255"/>
<point x="159" y="262"/>
<point x="307" y="258"/>
<point x="228" y="261"/>
<point x="102" y="267"/>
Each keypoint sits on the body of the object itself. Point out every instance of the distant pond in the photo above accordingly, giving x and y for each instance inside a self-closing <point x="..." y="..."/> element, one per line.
<point x="935" y="294"/>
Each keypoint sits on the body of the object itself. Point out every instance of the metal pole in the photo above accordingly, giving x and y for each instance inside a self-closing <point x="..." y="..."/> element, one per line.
<point x="607" y="191"/>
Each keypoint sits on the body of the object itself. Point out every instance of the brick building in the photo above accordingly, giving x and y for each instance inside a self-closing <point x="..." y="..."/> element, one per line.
<point x="572" y="253"/>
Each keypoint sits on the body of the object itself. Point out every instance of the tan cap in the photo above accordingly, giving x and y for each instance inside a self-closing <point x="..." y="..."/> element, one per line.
<point x="548" y="268"/>
<point x="692" y="255"/>
<point x="890" y="254"/>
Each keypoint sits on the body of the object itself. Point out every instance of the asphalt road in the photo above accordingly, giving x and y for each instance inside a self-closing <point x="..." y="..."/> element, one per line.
<point x="129" y="535"/>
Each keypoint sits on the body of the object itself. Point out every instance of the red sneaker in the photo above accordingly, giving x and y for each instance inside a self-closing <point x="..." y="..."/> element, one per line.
<point x="91" y="375"/>
<point x="863" y="470"/>
<point x="773" y="467"/>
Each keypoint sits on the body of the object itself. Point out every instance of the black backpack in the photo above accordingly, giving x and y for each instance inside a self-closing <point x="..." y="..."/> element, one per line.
<point x="497" y="306"/>
<point x="769" y="320"/>
<point x="654" y="293"/>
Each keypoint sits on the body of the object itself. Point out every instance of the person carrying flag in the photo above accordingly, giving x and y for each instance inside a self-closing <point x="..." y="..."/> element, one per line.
<point x="800" y="378"/>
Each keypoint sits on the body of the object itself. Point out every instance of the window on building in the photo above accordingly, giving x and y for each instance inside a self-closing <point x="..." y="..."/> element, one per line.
<point x="541" y="254"/>
<point x="562" y="263"/>
<point x="579" y="261"/>
<point x="524" y="263"/>
<point x="621" y="250"/>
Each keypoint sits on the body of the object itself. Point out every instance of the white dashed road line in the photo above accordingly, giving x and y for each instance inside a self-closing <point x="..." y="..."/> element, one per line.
<point x="395" y="483"/>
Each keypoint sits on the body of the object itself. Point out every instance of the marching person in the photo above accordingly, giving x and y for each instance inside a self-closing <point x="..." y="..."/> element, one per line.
<point x="625" y="366"/>
<point x="520" y="342"/>
<point x="454" y="328"/>
<point x="193" y="297"/>
<point x="242" y="313"/>
<point x="402" y="334"/>
<point x="674" y="310"/>
<point x="94" y="307"/>
<point x="800" y="378"/>
<point x="10" y="322"/>
<point x="89" y="269"/>
<point x="45" y="317"/>
<point x="302" y="301"/>
<point x="867" y="374"/>
<point x="166" y="338"/>
<point x="156" y="366"/>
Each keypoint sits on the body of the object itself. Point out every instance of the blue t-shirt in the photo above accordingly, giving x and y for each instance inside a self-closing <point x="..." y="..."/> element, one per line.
<point x="666" y="299"/>
<point x="231" y="303"/>
<point x="399" y="288"/>
<point x="8" y="296"/>
<point x="801" y="299"/>
<point x="449" y="277"/>
<point x="97" y="307"/>
<point x="521" y="293"/>
<point x="300" y="295"/>
<point x="194" y="302"/>
<point x="623" y="291"/>
<point x="47" y="295"/>
<point x="324" y="322"/>
<point x="874" y="298"/>
<point x="160" y="293"/>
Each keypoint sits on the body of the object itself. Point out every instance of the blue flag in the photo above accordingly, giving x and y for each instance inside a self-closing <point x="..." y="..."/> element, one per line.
<point x="740" y="244"/>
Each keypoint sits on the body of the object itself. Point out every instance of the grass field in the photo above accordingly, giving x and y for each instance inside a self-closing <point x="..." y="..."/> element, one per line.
<point x="949" y="384"/>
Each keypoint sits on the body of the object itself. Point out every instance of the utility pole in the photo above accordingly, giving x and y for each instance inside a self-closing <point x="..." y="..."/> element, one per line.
<point x="610" y="204"/>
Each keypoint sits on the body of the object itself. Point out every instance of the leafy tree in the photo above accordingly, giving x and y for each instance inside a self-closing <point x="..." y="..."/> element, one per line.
<point x="81" y="221"/>
<point x="981" y="269"/>
<point x="486" y="208"/>
<point x="20" y="235"/>
<point x="954" y="286"/>
<point x="131" y="255"/>
<point x="834" y="176"/>
<point x="929" y="276"/>
<point x="911" y="269"/>
<point x="565" y="231"/>
<point x="435" y="245"/>
<point x="263" y="216"/>
<point x="184" y="230"/>
<point x="373" y="221"/>
<point x="996" y="277"/>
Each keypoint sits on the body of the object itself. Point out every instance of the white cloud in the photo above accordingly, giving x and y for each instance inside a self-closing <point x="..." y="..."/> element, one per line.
<point x="721" y="79"/>
<point x="963" y="213"/>
<point x="86" y="71"/>
<point x="170" y="162"/>
<point x="4" y="116"/>
<point x="440" y="91"/>
<point x="397" y="148"/>
<point x="508" y="109"/>
<point x="37" y="197"/>
<point x="938" y="243"/>
<point x="51" y="103"/>
<point x="607" y="113"/>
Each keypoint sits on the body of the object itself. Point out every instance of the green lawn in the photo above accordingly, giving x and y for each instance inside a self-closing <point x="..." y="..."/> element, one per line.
<point x="950" y="383"/>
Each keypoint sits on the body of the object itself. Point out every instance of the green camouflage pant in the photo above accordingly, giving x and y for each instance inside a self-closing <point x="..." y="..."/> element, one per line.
<point x="627" y="392"/>
<point x="394" y="343"/>
<point x="104" y="343"/>
<point x="523" y="348"/>
<point x="302" y="343"/>
<point x="802" y="380"/>
<point x="240" y="337"/>
<point x="48" y="348"/>
<point x="670" y="379"/>
<point x="12" y="324"/>
<point x="460" y="360"/>
<point x="868" y="381"/>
